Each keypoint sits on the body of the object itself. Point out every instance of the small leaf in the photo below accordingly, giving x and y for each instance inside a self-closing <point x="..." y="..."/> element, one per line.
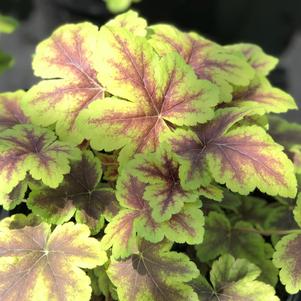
<point x="66" y="61"/>
<point x="242" y="157"/>
<point x="260" y="61"/>
<point x="210" y="61"/>
<point x="233" y="280"/>
<point x="6" y="61"/>
<point x="157" y="94"/>
<point x="154" y="273"/>
<point x="7" y="24"/>
<point x="11" y="112"/>
<point x="36" y="263"/>
<point x="110" y="165"/>
<point x="164" y="193"/>
<point x="26" y="148"/>
<point x="79" y="193"/>
<point x="212" y="192"/>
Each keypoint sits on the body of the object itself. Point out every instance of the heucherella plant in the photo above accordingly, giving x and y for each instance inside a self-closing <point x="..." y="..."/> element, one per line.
<point x="144" y="157"/>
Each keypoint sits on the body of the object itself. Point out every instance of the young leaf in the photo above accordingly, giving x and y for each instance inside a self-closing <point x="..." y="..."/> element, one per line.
<point x="210" y="61"/>
<point x="117" y="6"/>
<point x="27" y="148"/>
<point x="260" y="94"/>
<point x="164" y="193"/>
<point x="156" y="94"/>
<point x="110" y="165"/>
<point x="80" y="192"/>
<point x="6" y="61"/>
<point x="233" y="280"/>
<point x="135" y="219"/>
<point x="242" y="157"/>
<point x="239" y="240"/>
<point x="66" y="61"/>
<point x="154" y="273"/>
<point x="7" y="24"/>
<point x="260" y="61"/>
<point x="212" y="192"/>
<point x="11" y="112"/>
<point x="37" y="264"/>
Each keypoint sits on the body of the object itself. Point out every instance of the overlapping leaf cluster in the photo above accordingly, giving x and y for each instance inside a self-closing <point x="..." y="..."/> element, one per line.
<point x="150" y="140"/>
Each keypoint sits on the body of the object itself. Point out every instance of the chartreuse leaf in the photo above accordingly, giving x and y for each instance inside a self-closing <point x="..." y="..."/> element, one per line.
<point x="287" y="134"/>
<point x="79" y="193"/>
<point x="210" y="61"/>
<point x="135" y="220"/>
<point x="154" y="273"/>
<point x="233" y="280"/>
<point x="6" y="61"/>
<point x="239" y="240"/>
<point x="18" y="221"/>
<point x="27" y="148"/>
<point x="242" y="157"/>
<point x="66" y="61"/>
<point x="7" y="24"/>
<point x="212" y="192"/>
<point x="260" y="94"/>
<point x="256" y="57"/>
<point x="164" y="193"/>
<point x="156" y="93"/>
<point x="11" y="112"/>
<point x="131" y="21"/>
<point x="118" y="6"/>
<point x="39" y="265"/>
<point x="297" y="210"/>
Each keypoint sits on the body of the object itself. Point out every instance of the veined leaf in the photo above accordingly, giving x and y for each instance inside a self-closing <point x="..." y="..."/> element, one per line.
<point x="135" y="220"/>
<point x="212" y="192"/>
<point x="27" y="148"/>
<point x="233" y="280"/>
<point x="67" y="61"/>
<point x="260" y="61"/>
<point x="157" y="94"/>
<point x="110" y="165"/>
<point x="260" y="94"/>
<point x="154" y="273"/>
<point x="242" y="157"/>
<point x="11" y="112"/>
<point x="210" y="61"/>
<point x="239" y="240"/>
<point x="80" y="193"/>
<point x="39" y="265"/>
<point x="164" y="193"/>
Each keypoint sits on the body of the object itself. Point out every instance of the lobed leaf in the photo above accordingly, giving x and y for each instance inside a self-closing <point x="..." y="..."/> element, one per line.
<point x="154" y="273"/>
<point x="157" y="94"/>
<point x="37" y="264"/>
<point x="80" y="193"/>
<point x="242" y="157"/>
<point x="27" y="148"/>
<point x="210" y="61"/>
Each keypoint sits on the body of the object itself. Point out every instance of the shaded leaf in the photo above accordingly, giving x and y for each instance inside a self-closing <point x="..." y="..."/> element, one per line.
<point x="154" y="273"/>
<point x="26" y="148"/>
<point x="242" y="157"/>
<point x="80" y="193"/>
<point x="156" y="94"/>
<point x="35" y="263"/>
<point x="6" y="61"/>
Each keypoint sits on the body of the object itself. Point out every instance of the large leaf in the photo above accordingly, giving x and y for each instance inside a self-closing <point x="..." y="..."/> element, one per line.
<point x="67" y="61"/>
<point x="11" y="112"/>
<point x="260" y="61"/>
<point x="164" y="193"/>
<point x="26" y="148"/>
<point x="135" y="220"/>
<point x="154" y="273"/>
<point x="242" y="157"/>
<point x="157" y="94"/>
<point x="260" y="94"/>
<point x="210" y="61"/>
<point x="233" y="280"/>
<point x="80" y="193"/>
<point x="240" y="240"/>
<point x="39" y="265"/>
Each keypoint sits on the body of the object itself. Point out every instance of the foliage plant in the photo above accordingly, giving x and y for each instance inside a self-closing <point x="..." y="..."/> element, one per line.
<point x="7" y="26"/>
<point x="151" y="168"/>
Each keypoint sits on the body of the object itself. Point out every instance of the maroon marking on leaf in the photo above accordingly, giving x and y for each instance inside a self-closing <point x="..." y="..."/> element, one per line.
<point x="12" y="113"/>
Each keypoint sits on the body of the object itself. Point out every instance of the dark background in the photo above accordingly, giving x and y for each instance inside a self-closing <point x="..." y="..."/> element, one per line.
<point x="275" y="25"/>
